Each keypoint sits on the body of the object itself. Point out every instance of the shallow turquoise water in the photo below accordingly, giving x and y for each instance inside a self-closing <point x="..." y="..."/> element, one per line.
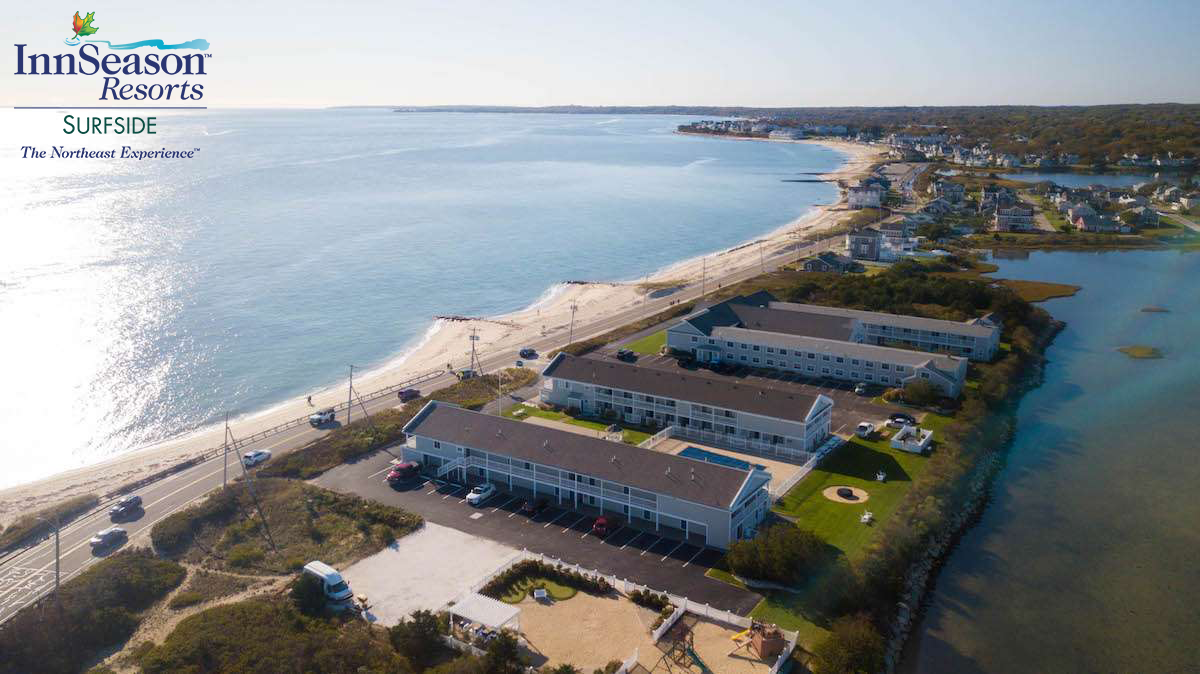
<point x="1085" y="560"/>
<point x="145" y="299"/>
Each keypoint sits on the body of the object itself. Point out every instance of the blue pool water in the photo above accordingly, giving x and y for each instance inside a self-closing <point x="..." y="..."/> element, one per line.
<point x="721" y="459"/>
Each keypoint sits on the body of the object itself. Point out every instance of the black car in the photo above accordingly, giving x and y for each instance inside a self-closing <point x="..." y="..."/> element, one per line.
<point x="125" y="507"/>
<point x="534" y="506"/>
<point x="528" y="353"/>
<point x="408" y="394"/>
<point x="902" y="418"/>
<point x="626" y="355"/>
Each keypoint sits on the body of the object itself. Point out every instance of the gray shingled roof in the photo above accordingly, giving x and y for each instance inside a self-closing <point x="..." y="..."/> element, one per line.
<point x="879" y="317"/>
<point x="700" y="482"/>
<point x="793" y="322"/>
<point x="727" y="393"/>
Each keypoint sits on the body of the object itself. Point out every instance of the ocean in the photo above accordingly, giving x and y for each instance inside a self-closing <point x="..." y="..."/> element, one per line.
<point x="1085" y="559"/>
<point x="142" y="300"/>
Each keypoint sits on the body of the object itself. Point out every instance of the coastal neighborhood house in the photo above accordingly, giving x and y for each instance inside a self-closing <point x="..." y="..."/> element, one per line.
<point x="1017" y="217"/>
<point x="864" y="196"/>
<point x="737" y="415"/>
<point x="864" y="244"/>
<point x="835" y="343"/>
<point x="702" y="502"/>
<point x="830" y="261"/>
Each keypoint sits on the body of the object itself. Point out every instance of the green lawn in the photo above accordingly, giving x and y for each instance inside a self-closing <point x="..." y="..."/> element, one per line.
<point x="650" y="344"/>
<point x="526" y="586"/>
<point x="630" y="435"/>
<point x="853" y="465"/>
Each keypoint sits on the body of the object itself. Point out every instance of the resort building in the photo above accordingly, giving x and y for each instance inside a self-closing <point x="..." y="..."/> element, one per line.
<point x="864" y="196"/>
<point x="704" y="502"/>
<point x="835" y="343"/>
<point x="717" y="410"/>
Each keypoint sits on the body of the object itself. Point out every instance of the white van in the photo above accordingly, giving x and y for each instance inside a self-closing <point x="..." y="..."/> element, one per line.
<point x="337" y="590"/>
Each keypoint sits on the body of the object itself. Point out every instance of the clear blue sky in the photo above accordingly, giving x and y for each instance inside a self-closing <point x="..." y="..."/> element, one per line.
<point x="305" y="52"/>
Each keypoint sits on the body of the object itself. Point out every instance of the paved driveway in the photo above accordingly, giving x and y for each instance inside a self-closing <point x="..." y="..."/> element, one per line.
<point x="652" y="559"/>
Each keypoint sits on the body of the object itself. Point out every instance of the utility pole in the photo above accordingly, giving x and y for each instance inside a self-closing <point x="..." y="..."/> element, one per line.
<point x="55" y="522"/>
<point x="762" y="262"/>
<point x="474" y="365"/>
<point x="571" y="332"/>
<point x="703" y="274"/>
<point x="499" y="391"/>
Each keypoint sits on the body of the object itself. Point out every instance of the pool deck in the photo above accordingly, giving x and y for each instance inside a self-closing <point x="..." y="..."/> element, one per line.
<point x="780" y="470"/>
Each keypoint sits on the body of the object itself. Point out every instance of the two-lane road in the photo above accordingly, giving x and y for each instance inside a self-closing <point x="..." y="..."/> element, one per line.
<point x="27" y="575"/>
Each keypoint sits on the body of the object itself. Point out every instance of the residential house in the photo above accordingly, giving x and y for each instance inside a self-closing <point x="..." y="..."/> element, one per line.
<point x="1144" y="216"/>
<point x="1099" y="223"/>
<point x="865" y="196"/>
<point x="830" y="261"/>
<point x="864" y="244"/>
<point x="951" y="192"/>
<point x="1017" y="217"/>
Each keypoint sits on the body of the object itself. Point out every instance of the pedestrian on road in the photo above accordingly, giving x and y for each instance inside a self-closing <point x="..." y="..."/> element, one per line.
<point x="310" y="401"/>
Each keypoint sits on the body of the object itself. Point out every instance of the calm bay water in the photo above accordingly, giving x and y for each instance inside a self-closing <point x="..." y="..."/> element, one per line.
<point x="1085" y="560"/>
<point x="1085" y="179"/>
<point x="141" y="300"/>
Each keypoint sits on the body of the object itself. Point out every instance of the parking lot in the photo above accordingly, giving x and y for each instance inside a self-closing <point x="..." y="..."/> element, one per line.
<point x="661" y="560"/>
<point x="848" y="407"/>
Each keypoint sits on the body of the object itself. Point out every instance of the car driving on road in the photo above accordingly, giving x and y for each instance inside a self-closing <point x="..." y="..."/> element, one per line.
<point x="528" y="353"/>
<point x="408" y="394"/>
<point x="481" y="494"/>
<point x="251" y="459"/>
<point x="322" y="417"/>
<point x="626" y="355"/>
<point x="126" y="506"/>
<point x="106" y="538"/>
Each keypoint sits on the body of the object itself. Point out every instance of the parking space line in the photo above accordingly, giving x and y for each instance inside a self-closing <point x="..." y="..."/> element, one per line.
<point x="671" y="552"/>
<point x="650" y="546"/>
<point x="619" y="529"/>
<point x="698" y="553"/>
<point x="385" y="469"/>
<point x="560" y="516"/>
<point x="504" y="504"/>
<point x="568" y="527"/>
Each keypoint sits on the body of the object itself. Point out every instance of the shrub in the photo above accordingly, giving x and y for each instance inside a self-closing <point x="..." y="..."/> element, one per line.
<point x="853" y="645"/>
<point x="656" y="602"/>
<point x="307" y="594"/>
<point x="782" y="553"/>
<point x="94" y="611"/>
<point x="174" y="533"/>
<point x="245" y="554"/>
<point x="41" y="522"/>
<point x="920" y="392"/>
<point x="504" y="582"/>
<point x="185" y="599"/>
<point x="418" y="638"/>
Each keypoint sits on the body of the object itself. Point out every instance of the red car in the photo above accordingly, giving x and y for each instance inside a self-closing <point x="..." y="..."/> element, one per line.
<point x="402" y="472"/>
<point x="603" y="526"/>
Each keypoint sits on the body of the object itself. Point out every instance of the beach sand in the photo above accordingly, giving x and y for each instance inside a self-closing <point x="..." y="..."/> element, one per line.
<point x="447" y="343"/>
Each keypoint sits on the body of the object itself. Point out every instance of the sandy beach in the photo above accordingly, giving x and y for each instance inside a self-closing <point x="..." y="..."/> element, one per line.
<point x="446" y="343"/>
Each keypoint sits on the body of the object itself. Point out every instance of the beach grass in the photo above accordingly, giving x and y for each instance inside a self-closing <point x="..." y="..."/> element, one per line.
<point x="41" y="522"/>
<point x="649" y="345"/>
<point x="1141" y="352"/>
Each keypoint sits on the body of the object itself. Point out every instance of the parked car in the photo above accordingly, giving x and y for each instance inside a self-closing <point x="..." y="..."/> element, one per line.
<point x="322" y="417"/>
<point x="403" y="472"/>
<point x="626" y="355"/>
<point x="534" y="506"/>
<point x="108" y="537"/>
<point x="860" y="389"/>
<point x="333" y="585"/>
<point x="528" y="353"/>
<point x="898" y="419"/>
<point x="408" y="394"/>
<point x="865" y="429"/>
<point x="126" y="506"/>
<point x="604" y="526"/>
<point x="251" y="459"/>
<point x="479" y="495"/>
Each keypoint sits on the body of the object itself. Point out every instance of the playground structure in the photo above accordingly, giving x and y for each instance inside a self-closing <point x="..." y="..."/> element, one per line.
<point x="681" y="652"/>
<point x="762" y="640"/>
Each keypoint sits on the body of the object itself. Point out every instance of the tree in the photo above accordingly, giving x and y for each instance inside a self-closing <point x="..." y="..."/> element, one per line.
<point x="853" y="645"/>
<point x="935" y="230"/>
<point x="920" y="392"/>
<point x="308" y="594"/>
<point x="782" y="553"/>
<point x="564" y="668"/>
<point x="418" y="638"/>
<point x="503" y="655"/>
<point x="1128" y="217"/>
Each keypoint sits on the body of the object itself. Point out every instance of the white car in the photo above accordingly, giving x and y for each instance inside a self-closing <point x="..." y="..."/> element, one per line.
<point x="865" y="429"/>
<point x="322" y="417"/>
<point x="481" y="494"/>
<point x="251" y="459"/>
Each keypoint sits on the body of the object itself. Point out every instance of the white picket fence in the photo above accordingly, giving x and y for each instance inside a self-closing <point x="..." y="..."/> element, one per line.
<point x="656" y="438"/>
<point x="629" y="663"/>
<point x="667" y="624"/>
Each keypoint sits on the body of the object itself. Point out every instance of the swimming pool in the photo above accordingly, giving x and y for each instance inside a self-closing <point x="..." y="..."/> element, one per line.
<point x="721" y="459"/>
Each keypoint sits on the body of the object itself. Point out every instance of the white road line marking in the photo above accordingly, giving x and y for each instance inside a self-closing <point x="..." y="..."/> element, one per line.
<point x="635" y="537"/>
<point x="560" y="516"/>
<point x="385" y="469"/>
<point x="504" y="504"/>
<point x="698" y="553"/>
<point x="650" y="546"/>
<point x="671" y="552"/>
<point x="613" y="533"/>
<point x="568" y="527"/>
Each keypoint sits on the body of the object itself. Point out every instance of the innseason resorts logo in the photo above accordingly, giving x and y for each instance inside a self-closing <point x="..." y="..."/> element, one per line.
<point x="87" y="60"/>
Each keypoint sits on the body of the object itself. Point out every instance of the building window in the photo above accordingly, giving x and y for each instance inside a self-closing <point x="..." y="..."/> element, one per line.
<point x="769" y="361"/>
<point x="755" y="347"/>
<point x="783" y="352"/>
<point x="729" y="344"/>
<point x="437" y="445"/>
<point x="755" y="359"/>
<point x="694" y="339"/>
<point x="840" y="359"/>
<point x="770" y="349"/>
<point x="883" y="366"/>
